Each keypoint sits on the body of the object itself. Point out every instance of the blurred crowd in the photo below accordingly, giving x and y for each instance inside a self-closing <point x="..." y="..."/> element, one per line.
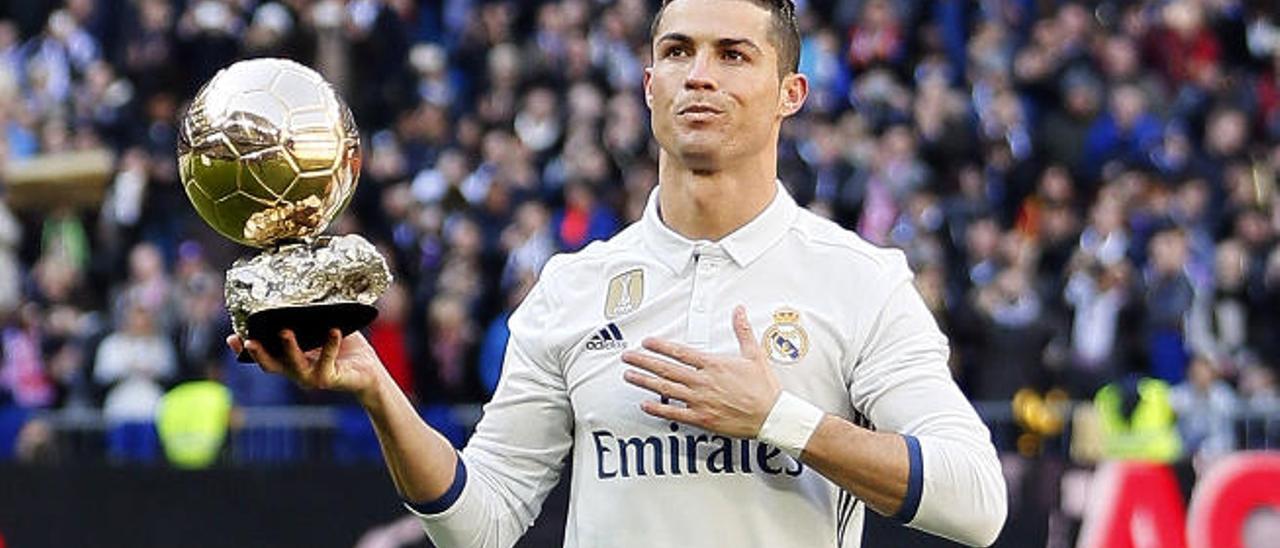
<point x="1086" y="189"/>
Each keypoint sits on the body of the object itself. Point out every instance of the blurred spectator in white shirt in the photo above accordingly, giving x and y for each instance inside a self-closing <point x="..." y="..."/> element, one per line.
<point x="134" y="361"/>
<point x="1205" y="405"/>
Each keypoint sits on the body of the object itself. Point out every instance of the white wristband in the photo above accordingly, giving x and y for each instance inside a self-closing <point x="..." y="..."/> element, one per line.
<point x="790" y="424"/>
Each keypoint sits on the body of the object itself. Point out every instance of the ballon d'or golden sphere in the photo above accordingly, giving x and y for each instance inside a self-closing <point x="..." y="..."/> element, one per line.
<point x="268" y="153"/>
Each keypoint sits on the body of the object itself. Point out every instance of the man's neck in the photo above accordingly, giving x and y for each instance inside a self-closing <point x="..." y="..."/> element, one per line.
<point x="711" y="205"/>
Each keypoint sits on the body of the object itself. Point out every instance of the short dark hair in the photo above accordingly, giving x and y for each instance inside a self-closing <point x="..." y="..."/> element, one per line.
<point x="784" y="32"/>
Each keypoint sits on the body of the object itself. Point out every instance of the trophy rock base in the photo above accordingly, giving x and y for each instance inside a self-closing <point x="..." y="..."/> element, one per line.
<point x="309" y="287"/>
<point x="310" y="324"/>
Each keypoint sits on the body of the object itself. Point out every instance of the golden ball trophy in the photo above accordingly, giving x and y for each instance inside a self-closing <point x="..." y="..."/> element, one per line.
<point x="269" y="155"/>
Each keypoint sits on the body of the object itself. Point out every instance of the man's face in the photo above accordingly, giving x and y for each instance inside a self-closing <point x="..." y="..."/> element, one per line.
<point x="713" y="88"/>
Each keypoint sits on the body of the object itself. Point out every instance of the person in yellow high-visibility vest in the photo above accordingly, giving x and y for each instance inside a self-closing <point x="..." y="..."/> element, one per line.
<point x="192" y="420"/>
<point x="1138" y="422"/>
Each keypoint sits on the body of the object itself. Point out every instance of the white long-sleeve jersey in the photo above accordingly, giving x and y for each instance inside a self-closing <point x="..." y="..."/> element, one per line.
<point x="845" y="330"/>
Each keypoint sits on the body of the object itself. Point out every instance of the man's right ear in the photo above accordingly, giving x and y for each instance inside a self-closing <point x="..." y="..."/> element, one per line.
<point x="648" y="95"/>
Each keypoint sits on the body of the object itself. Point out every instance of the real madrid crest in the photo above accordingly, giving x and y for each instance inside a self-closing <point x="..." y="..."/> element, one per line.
<point x="785" y="340"/>
<point x="626" y="292"/>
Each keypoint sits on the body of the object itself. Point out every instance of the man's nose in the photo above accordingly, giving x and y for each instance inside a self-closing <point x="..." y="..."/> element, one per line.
<point x="701" y="73"/>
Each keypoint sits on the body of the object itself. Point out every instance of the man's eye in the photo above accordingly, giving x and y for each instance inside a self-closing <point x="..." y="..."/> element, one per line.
<point x="734" y="55"/>
<point x="677" y="51"/>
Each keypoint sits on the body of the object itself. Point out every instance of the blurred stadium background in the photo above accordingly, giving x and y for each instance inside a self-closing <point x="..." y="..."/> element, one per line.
<point x="1086" y="190"/>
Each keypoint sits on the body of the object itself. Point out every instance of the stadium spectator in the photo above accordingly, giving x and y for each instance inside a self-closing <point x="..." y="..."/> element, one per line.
<point x="1220" y="320"/>
<point x="1169" y="297"/>
<point x="1205" y="405"/>
<point x="1126" y="131"/>
<point x="450" y="335"/>
<point x="388" y="335"/>
<point x="200" y="316"/>
<point x="494" y="345"/>
<point x="1015" y="335"/>
<point x="1099" y="296"/>
<point x="583" y="219"/>
<point x="133" y="363"/>
<point x="148" y="287"/>
<point x="1267" y="303"/>
<point x="1181" y="45"/>
<point x="10" y="268"/>
<point x="22" y="372"/>
<point x="877" y="37"/>
<point x="151" y="48"/>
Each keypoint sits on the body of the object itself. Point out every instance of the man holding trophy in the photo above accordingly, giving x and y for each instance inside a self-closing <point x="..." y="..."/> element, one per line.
<point x="730" y="370"/>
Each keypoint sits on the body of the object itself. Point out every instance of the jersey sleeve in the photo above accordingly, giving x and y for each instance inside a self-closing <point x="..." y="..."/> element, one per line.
<point x="902" y="384"/>
<point x="519" y="446"/>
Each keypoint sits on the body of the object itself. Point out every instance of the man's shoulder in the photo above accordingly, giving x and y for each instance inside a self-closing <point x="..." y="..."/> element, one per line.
<point x="594" y="255"/>
<point x="842" y="248"/>
<point x="572" y="280"/>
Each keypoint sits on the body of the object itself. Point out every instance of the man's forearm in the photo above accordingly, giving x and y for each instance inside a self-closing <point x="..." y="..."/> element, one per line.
<point x="421" y="461"/>
<point x="873" y="466"/>
<point x="966" y="498"/>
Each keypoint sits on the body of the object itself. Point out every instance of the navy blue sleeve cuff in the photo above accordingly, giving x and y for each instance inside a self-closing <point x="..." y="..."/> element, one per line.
<point x="448" y="498"/>
<point x="915" y="481"/>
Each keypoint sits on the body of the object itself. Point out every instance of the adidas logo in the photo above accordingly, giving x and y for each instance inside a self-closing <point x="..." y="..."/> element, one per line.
<point x="608" y="337"/>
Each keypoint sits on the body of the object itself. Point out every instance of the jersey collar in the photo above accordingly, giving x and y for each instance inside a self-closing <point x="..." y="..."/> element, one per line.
<point x="743" y="245"/>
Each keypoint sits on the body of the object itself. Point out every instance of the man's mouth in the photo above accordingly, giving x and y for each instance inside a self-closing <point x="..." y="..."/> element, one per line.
<point x="699" y="109"/>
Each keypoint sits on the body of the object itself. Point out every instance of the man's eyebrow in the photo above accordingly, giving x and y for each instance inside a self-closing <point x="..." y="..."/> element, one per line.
<point x="721" y="43"/>
<point x="731" y="42"/>
<point x="674" y="37"/>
